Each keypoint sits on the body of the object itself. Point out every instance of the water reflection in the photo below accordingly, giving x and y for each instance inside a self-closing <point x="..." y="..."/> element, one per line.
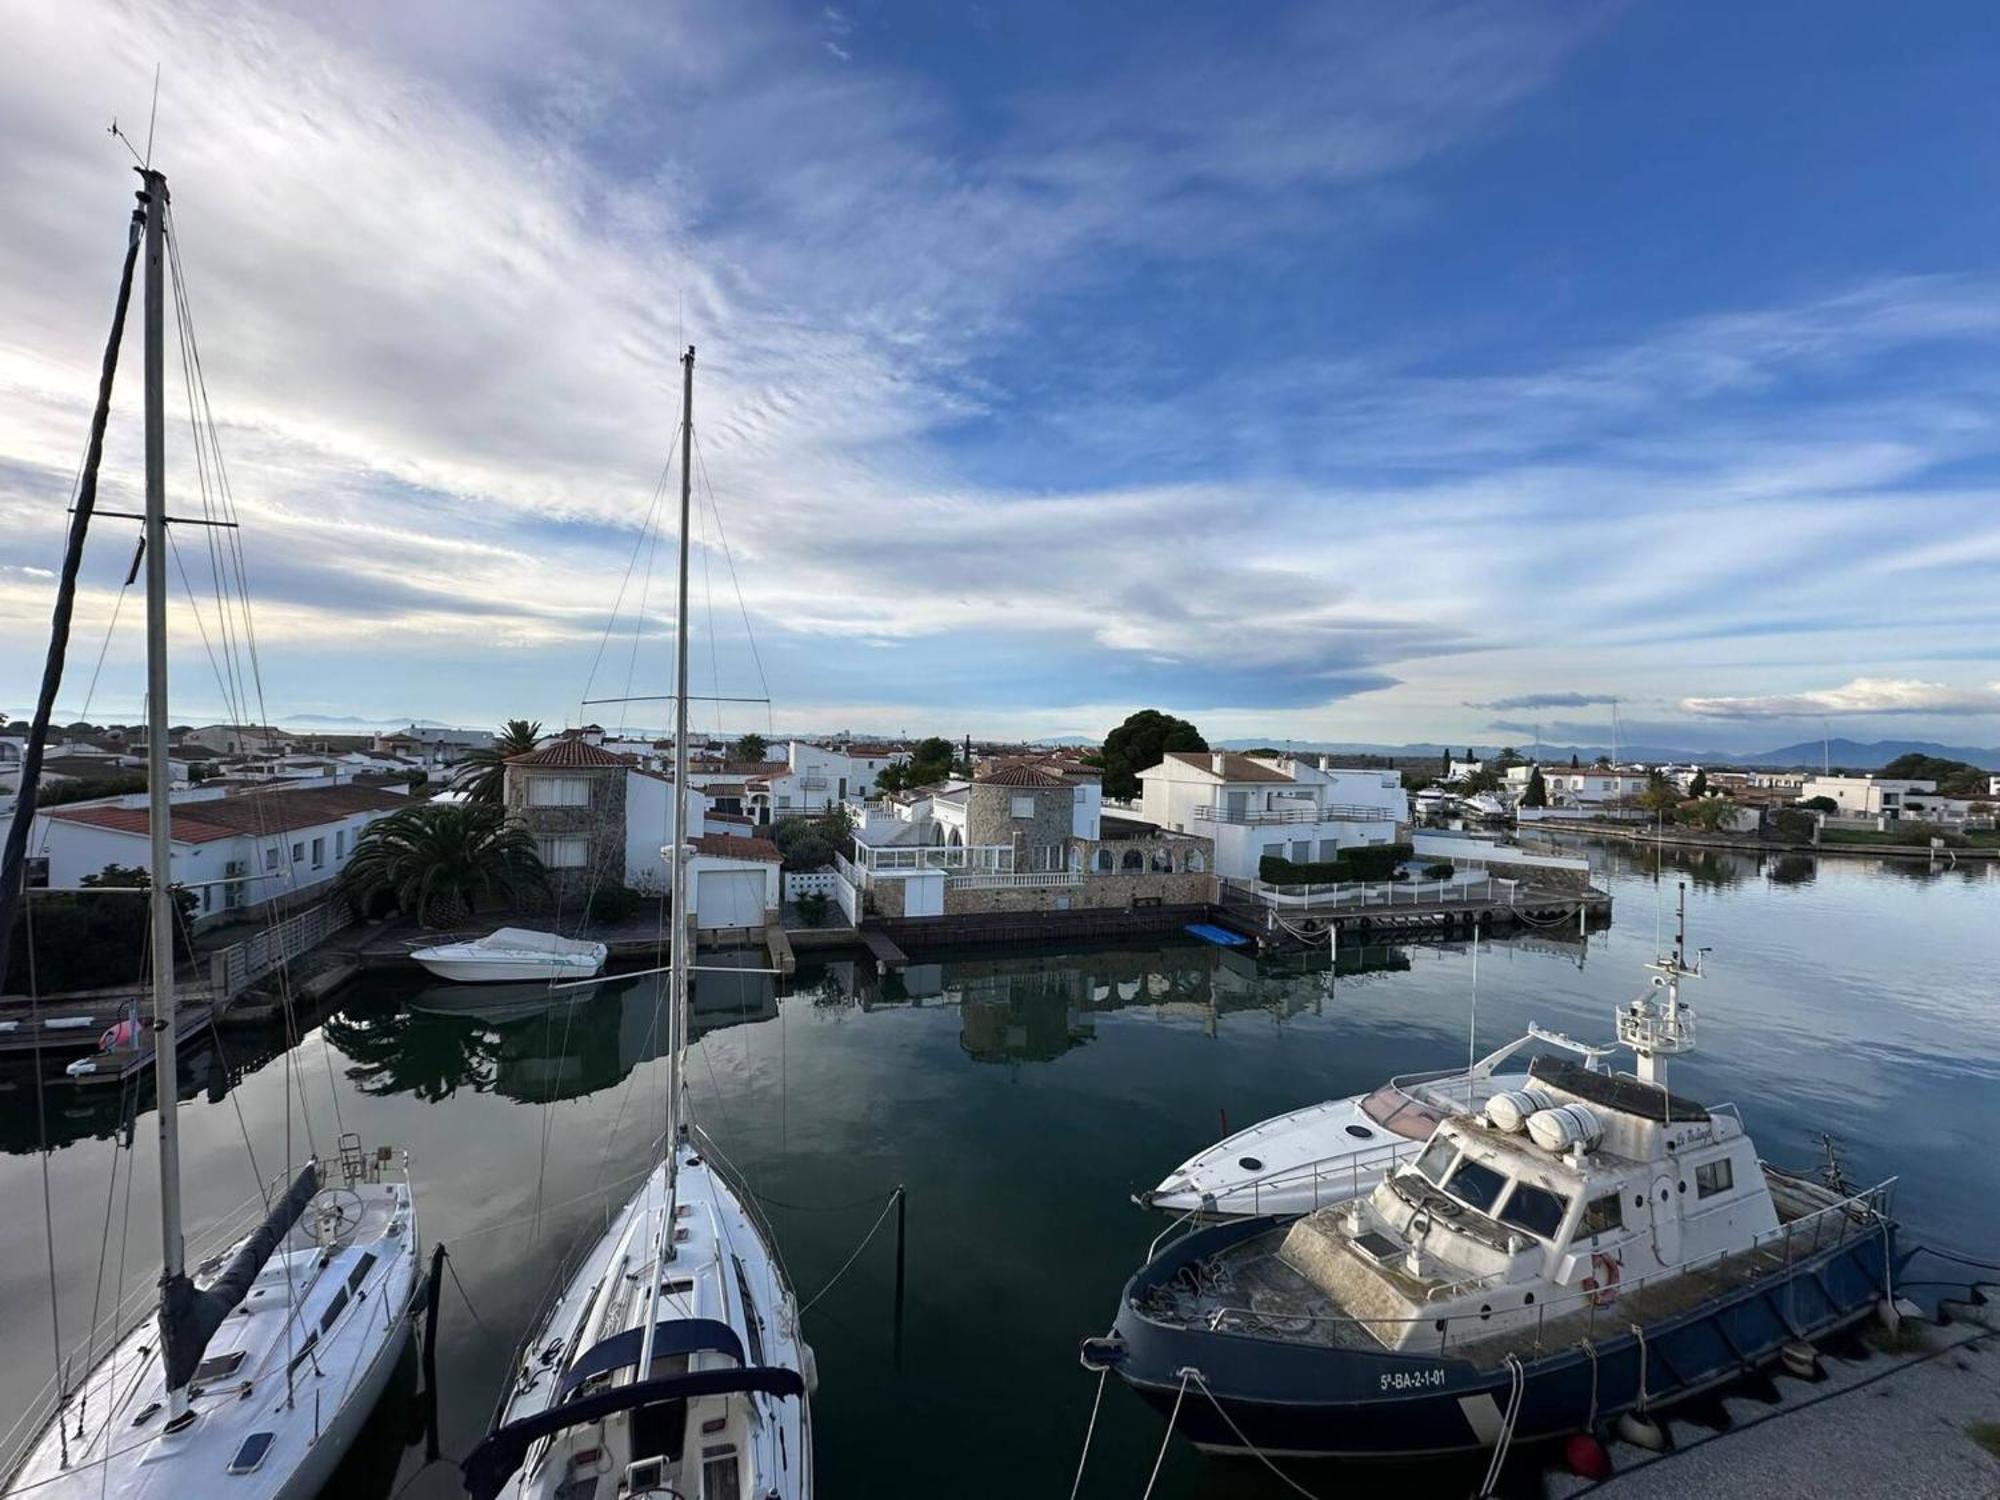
<point x="529" y="1043"/>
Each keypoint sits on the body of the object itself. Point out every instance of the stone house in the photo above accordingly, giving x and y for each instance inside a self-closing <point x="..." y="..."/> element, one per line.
<point x="597" y="818"/>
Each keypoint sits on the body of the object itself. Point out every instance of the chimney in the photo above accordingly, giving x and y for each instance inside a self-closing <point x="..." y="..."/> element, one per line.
<point x="1215" y="762"/>
<point x="1326" y="762"/>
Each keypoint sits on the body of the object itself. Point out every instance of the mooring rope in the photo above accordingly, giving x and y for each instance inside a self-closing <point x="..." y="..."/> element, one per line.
<point x="1168" y="1436"/>
<point x="880" y="1220"/>
<point x="1089" y="1433"/>
<point x="1260" y="1455"/>
<point x="1516" y="1390"/>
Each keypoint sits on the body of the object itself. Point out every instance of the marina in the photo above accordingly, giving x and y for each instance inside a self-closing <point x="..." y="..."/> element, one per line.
<point x="955" y="1074"/>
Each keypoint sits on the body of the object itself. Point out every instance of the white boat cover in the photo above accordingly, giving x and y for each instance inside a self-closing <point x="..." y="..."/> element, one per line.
<point x="526" y="940"/>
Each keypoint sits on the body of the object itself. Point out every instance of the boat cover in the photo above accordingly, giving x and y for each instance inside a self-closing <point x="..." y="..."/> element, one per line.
<point x="528" y="940"/>
<point x="488" y="1467"/>
<point x="1630" y="1096"/>
<point x="189" y="1315"/>
<point x="679" y="1336"/>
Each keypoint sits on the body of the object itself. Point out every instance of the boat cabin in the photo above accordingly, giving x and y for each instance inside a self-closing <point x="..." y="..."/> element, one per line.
<point x="1567" y="1193"/>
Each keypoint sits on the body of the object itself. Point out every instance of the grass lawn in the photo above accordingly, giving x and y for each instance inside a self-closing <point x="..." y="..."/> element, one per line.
<point x="1985" y="838"/>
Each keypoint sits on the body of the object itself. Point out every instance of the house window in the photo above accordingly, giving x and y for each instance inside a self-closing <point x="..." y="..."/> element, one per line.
<point x="1329" y="849"/>
<point x="271" y="858"/>
<point x="1274" y="851"/>
<point x="340" y="843"/>
<point x="298" y="854"/>
<point x="558" y="791"/>
<point x="1024" y="807"/>
<point x="563" y="852"/>
<point x="1713" y="1177"/>
<point x="319" y="852"/>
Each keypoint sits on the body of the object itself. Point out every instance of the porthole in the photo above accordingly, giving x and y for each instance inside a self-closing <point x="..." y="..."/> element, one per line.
<point x="1361" y="1132"/>
<point x="1683" y="1187"/>
<point x="1249" y="1164"/>
<point x="1485" y="1311"/>
<point x="1638" y="1200"/>
<point x="1529" y="1300"/>
<point x="1440" y="1325"/>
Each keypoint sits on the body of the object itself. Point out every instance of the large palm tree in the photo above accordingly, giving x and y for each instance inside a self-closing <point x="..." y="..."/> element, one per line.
<point x="438" y="862"/>
<point x="482" y="775"/>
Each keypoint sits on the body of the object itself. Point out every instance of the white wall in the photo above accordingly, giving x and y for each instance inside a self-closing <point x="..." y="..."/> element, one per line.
<point x="649" y="824"/>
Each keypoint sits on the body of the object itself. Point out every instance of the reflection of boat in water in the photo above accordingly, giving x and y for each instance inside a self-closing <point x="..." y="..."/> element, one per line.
<point x="528" y="1042"/>
<point x="512" y="954"/>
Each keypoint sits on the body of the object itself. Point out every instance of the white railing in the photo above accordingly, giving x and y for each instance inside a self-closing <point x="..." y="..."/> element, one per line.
<point x="1018" y="878"/>
<point x="993" y="857"/>
<point x="809" y="883"/>
<point x="1332" y="812"/>
<point x="1386" y="893"/>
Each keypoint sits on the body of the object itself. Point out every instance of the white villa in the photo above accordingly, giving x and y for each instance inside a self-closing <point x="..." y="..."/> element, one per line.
<point x="1579" y="786"/>
<point x="1252" y="806"/>
<point x="233" y="850"/>
<point x="1866" y="796"/>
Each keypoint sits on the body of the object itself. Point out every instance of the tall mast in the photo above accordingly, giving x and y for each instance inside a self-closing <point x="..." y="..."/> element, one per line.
<point x="158" y="803"/>
<point x="677" y="972"/>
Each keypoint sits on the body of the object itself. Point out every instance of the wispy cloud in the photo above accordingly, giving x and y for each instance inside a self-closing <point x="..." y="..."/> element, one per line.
<point x="1546" y="700"/>
<point x="1863" y="695"/>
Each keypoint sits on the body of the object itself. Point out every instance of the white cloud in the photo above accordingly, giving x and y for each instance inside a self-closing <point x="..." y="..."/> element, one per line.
<point x="1863" y="695"/>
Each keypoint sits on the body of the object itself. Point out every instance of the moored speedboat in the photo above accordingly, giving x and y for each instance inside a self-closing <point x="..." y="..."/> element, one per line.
<point x="1585" y="1246"/>
<point x="512" y="955"/>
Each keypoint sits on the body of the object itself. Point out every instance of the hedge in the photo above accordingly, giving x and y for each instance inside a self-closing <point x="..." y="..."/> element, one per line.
<point x="1364" y="862"/>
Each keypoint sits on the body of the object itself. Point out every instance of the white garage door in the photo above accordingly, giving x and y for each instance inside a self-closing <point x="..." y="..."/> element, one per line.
<point x="730" y="898"/>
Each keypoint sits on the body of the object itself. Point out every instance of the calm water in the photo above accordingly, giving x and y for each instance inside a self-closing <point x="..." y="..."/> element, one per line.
<point x="1021" y="1097"/>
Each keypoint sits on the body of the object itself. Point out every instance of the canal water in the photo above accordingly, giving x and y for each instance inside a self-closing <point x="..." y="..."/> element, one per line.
<point x="1021" y="1097"/>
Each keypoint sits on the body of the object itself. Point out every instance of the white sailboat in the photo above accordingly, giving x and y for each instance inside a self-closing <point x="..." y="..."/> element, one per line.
<point x="671" y="1363"/>
<point x="263" y="1362"/>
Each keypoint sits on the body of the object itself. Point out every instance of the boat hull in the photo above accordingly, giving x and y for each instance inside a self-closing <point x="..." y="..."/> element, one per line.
<point x="503" y="971"/>
<point x="1289" y="1398"/>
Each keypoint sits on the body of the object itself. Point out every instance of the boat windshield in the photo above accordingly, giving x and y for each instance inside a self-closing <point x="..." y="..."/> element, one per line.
<point x="1535" y="1209"/>
<point x="1436" y="1160"/>
<point x="1475" y="1184"/>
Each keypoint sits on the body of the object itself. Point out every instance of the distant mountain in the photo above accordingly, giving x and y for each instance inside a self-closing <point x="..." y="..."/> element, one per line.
<point x="1871" y="756"/>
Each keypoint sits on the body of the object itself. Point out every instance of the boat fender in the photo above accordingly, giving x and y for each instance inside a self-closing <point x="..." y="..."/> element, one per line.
<point x="1801" y="1359"/>
<point x="1642" y="1432"/>
<point x="1586" y="1457"/>
<point x="1602" y="1283"/>
<point x="1509" y="1111"/>
<point x="811" y="1363"/>
<point x="1101" y="1353"/>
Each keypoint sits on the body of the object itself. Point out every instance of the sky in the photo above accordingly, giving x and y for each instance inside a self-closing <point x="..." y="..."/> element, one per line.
<point x="1346" y="372"/>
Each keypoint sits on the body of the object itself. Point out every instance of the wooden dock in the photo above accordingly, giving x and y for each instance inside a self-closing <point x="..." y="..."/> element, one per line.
<point x="190" y="1022"/>
<point x="886" y="954"/>
<point x="780" y="948"/>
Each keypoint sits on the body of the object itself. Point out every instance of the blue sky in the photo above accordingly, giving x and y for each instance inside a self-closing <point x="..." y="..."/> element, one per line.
<point x="1350" y="372"/>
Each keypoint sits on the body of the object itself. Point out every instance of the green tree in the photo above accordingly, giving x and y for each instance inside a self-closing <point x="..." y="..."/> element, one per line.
<point x="929" y="762"/>
<point x="1699" y="786"/>
<point x="1537" y="794"/>
<point x="810" y="843"/>
<point x="1143" y="741"/>
<point x="750" y="747"/>
<point x="1444" y="763"/>
<point x="1820" y="804"/>
<point x="482" y="775"/>
<point x="439" y="862"/>
<point x="1660" y="794"/>
<point x="1574" y="763"/>
<point x="1954" y="778"/>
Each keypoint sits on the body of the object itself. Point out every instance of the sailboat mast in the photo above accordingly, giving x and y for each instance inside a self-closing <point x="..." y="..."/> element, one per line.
<point x="677" y="973"/>
<point x="158" y="803"/>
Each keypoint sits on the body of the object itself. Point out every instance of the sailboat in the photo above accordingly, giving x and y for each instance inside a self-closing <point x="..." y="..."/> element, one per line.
<point x="670" y="1363"/>
<point x="262" y="1362"/>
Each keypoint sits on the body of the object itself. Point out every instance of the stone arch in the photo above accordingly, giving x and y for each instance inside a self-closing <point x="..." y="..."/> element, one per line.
<point x="1162" y="861"/>
<point x="1107" y="861"/>
<point x="1134" y="863"/>
<point x="1195" y="864"/>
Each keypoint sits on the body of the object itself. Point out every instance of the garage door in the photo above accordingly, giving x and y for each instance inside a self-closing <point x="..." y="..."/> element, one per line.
<point x="730" y="898"/>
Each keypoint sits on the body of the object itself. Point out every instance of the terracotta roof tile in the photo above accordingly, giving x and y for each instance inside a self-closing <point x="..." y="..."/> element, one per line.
<point x="1234" y="767"/>
<point x="569" y="754"/>
<point x="251" y="813"/>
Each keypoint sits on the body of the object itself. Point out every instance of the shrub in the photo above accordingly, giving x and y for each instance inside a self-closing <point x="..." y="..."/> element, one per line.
<point x="86" y="940"/>
<point x="1820" y="804"/>
<point x="1368" y="862"/>
<point x="616" y="903"/>
<point x="812" y="908"/>
<point x="1443" y="869"/>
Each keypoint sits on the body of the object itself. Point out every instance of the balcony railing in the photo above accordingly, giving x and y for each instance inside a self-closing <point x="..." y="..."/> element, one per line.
<point x="997" y="858"/>
<point x="1332" y="812"/>
<point x="981" y="880"/>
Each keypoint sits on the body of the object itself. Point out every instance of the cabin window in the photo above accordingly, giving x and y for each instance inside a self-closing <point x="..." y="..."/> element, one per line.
<point x="720" y="1473"/>
<point x="1536" y="1210"/>
<point x="1435" y="1160"/>
<point x="333" y="1310"/>
<point x="1475" y="1185"/>
<point x="361" y="1268"/>
<point x="251" y="1454"/>
<point x="218" y="1367"/>
<point x="1601" y="1214"/>
<point x="1713" y="1177"/>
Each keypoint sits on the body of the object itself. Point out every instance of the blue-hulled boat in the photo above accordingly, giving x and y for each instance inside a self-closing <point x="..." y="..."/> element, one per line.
<point x="1586" y="1246"/>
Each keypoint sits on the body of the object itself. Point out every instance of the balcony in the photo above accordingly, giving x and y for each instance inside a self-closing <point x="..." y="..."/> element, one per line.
<point x="1333" y="812"/>
<point x="892" y="858"/>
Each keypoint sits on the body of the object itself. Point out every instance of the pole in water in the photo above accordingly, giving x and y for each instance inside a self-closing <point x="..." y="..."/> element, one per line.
<point x="432" y="1296"/>
<point x="902" y="1214"/>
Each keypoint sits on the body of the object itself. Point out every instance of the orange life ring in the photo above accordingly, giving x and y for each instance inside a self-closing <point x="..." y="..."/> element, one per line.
<point x="1602" y="1292"/>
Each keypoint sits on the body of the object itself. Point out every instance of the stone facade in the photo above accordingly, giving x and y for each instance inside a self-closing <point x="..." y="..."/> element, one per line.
<point x="1093" y="892"/>
<point x="601" y="821"/>
<point x="1039" y="841"/>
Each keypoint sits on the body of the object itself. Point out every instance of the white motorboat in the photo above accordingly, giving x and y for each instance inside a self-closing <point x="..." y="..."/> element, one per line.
<point x="1330" y="1152"/>
<point x="513" y="955"/>
<point x="670" y="1362"/>
<point x="256" y="1370"/>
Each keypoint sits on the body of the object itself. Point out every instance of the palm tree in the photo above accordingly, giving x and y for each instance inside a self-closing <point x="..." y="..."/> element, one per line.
<point x="438" y="862"/>
<point x="482" y="775"/>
